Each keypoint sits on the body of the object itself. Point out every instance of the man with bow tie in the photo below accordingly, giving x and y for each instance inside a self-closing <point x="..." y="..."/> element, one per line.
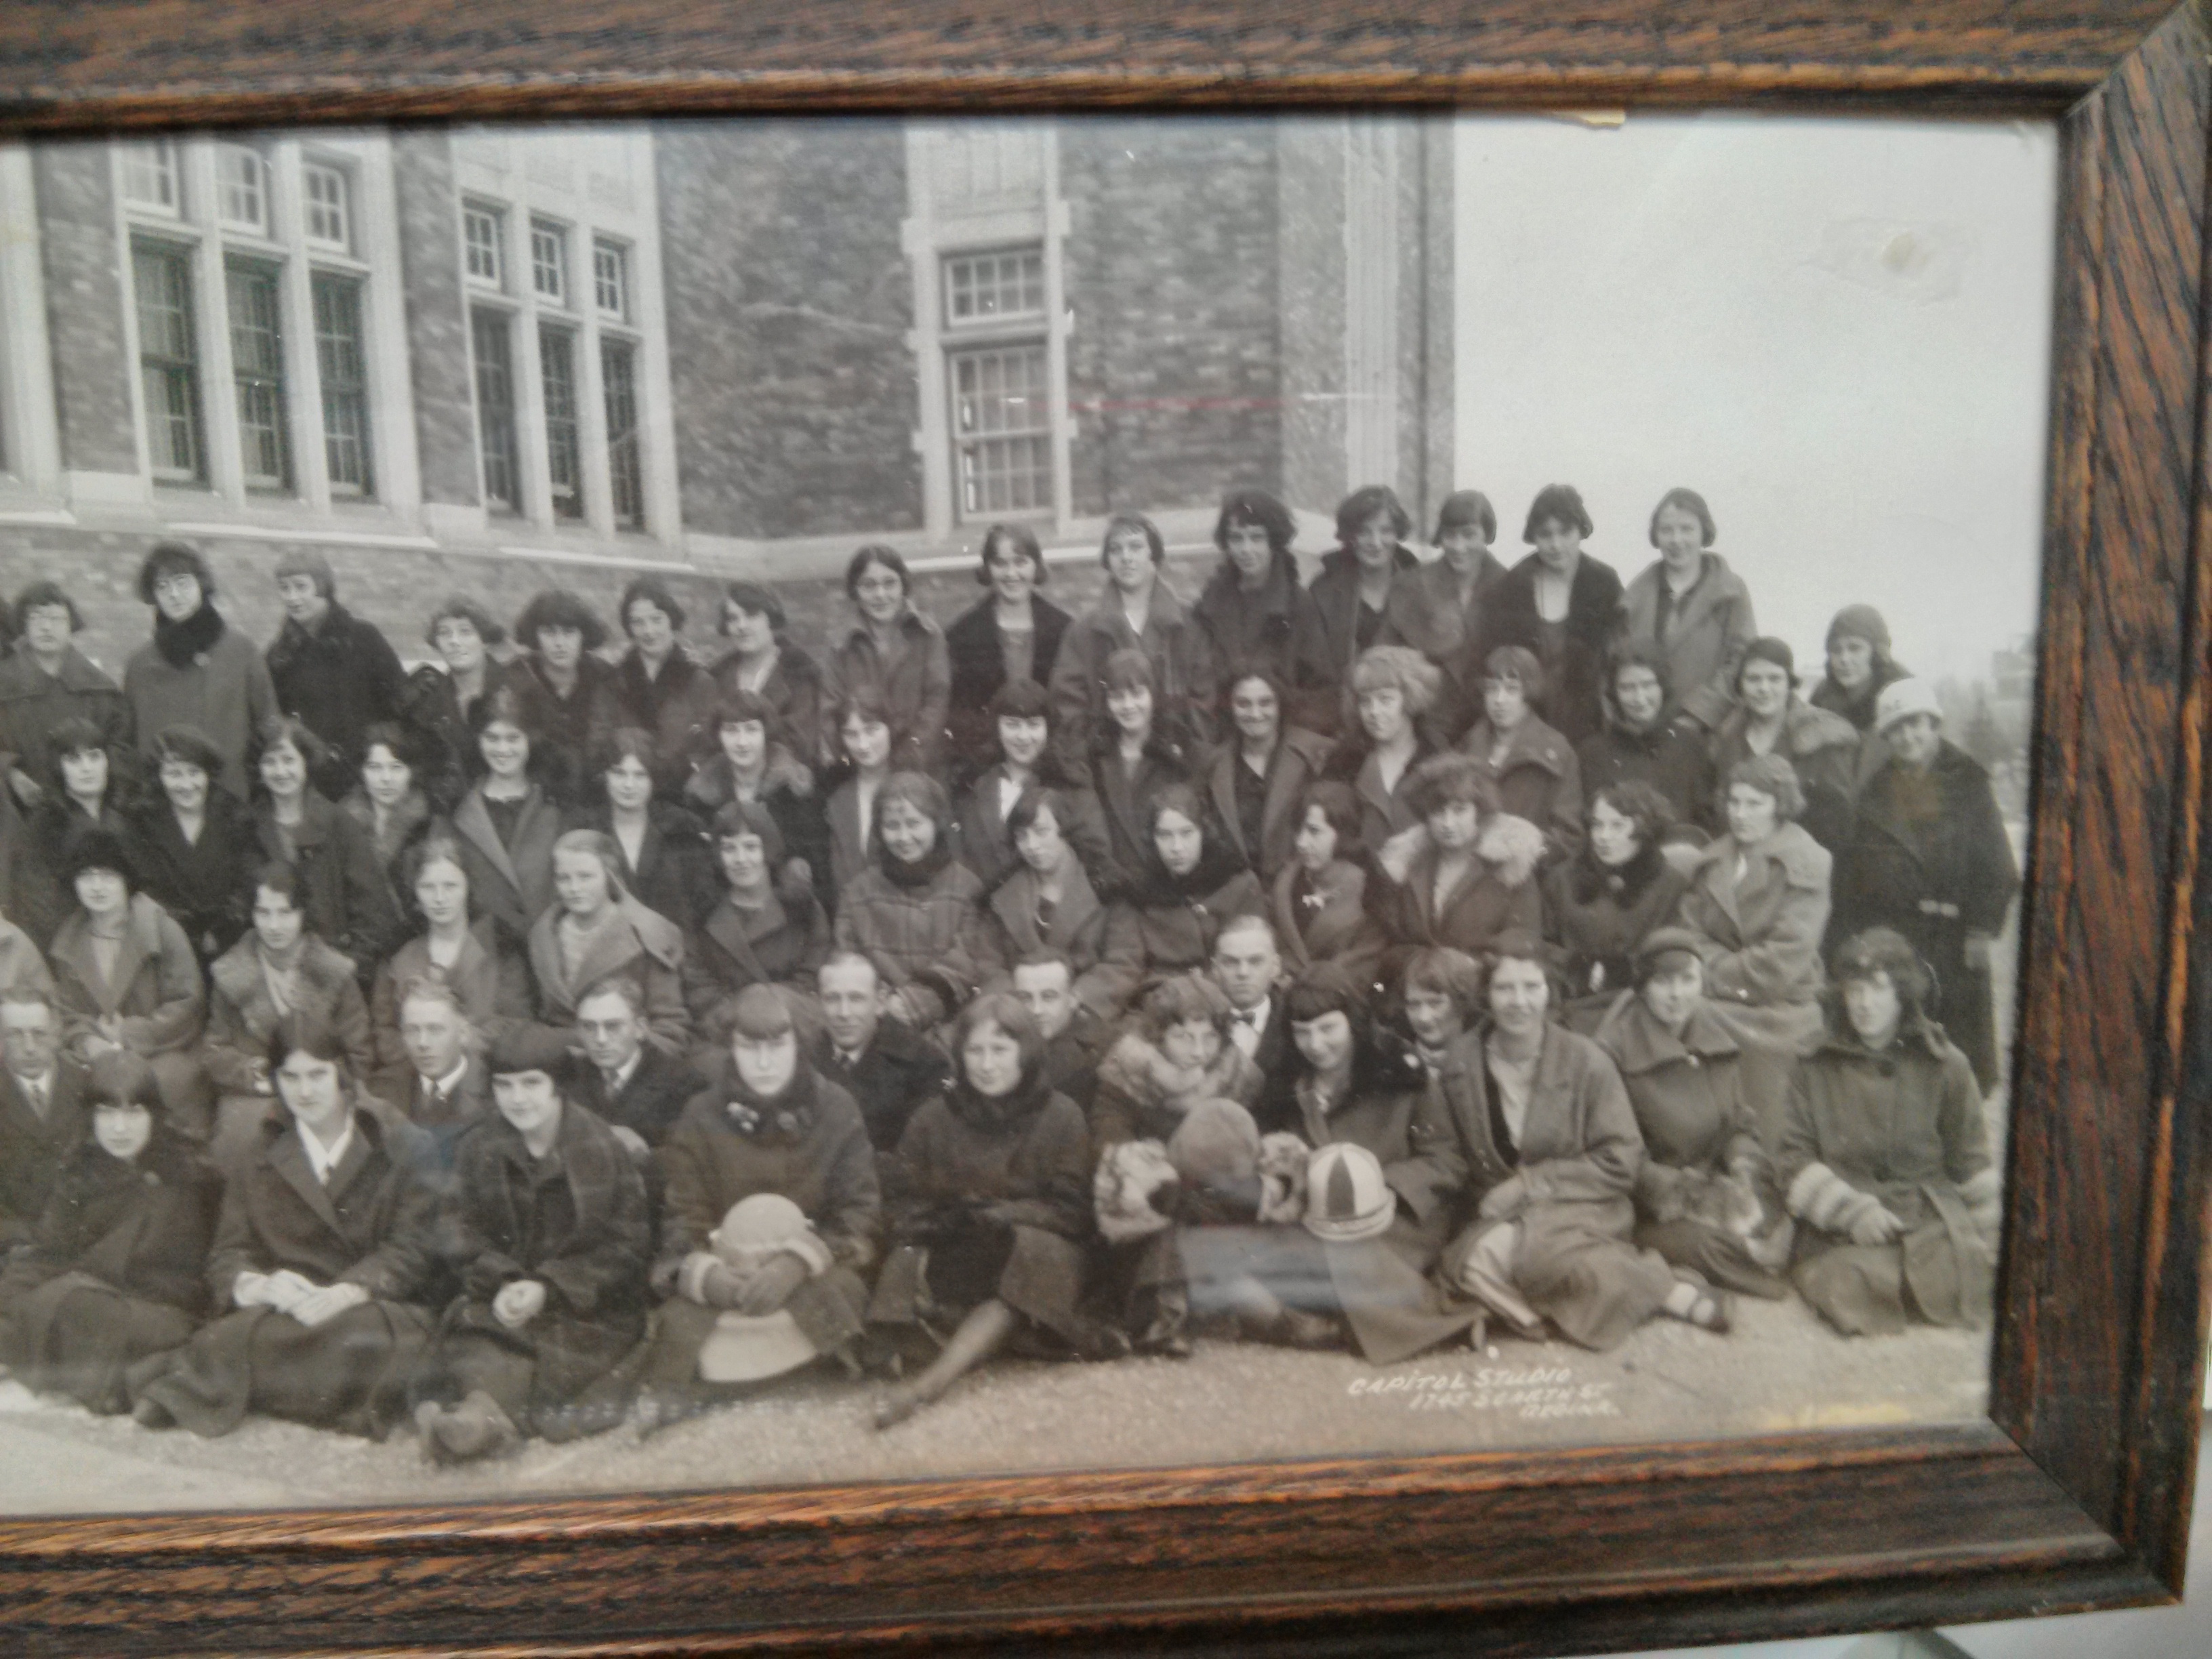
<point x="1249" y="967"/>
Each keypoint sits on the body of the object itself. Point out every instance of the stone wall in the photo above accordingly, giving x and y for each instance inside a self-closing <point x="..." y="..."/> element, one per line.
<point x="85" y="323"/>
<point x="437" y="317"/>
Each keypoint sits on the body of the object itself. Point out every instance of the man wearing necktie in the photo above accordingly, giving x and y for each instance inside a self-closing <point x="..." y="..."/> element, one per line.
<point x="1247" y="966"/>
<point x="887" y="1069"/>
<point x="42" y="1113"/>
<point x="637" y="1089"/>
<point x="444" y="1089"/>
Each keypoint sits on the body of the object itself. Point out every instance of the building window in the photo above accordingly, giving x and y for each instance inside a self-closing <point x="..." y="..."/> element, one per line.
<point x="549" y="261"/>
<point x="1001" y="430"/>
<point x="242" y="188"/>
<point x="494" y="350"/>
<point x="149" y="178"/>
<point x="341" y="364"/>
<point x="168" y="363"/>
<point x="257" y="357"/>
<point x="990" y="288"/>
<point x="481" y="239"/>
<point x="625" y="469"/>
<point x="564" y="459"/>
<point x="610" y="278"/>
<point x="328" y="210"/>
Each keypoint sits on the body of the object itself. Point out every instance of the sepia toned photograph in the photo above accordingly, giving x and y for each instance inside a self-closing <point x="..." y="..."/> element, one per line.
<point x="735" y="804"/>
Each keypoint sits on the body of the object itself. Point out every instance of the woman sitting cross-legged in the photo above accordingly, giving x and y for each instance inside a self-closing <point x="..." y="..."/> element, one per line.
<point x="1885" y="1158"/>
<point x="775" y="1127"/>
<point x="344" y="887"/>
<point x="1705" y="1193"/>
<point x="280" y="967"/>
<point x="913" y="912"/>
<point x="760" y="932"/>
<point x="1165" y="922"/>
<point x="1552" y="1151"/>
<point x="195" y="843"/>
<point x="491" y="981"/>
<point x="1599" y="905"/>
<point x="1319" y="903"/>
<point x="988" y="1199"/>
<point x="595" y="930"/>
<point x="324" y="1252"/>
<point x="113" y="1273"/>
<point x="553" y="1241"/>
<point x="1468" y="873"/>
<point x="1047" y="902"/>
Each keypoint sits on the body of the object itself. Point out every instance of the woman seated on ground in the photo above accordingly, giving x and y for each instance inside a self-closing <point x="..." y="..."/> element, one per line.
<point x="389" y="803"/>
<point x="665" y="858"/>
<point x="113" y="1273"/>
<point x="1165" y="922"/>
<point x="84" y="790"/>
<point x="752" y="761"/>
<point x="1011" y="635"/>
<point x="1885" y="1157"/>
<point x="595" y="929"/>
<point x="1047" y="902"/>
<point x="438" y="699"/>
<point x="508" y="822"/>
<point x="1319" y="901"/>
<point x="759" y="932"/>
<point x="1021" y="718"/>
<point x="1554" y="1151"/>
<point x="1394" y="687"/>
<point x="125" y="979"/>
<point x="762" y="663"/>
<point x="490" y="980"/>
<point x="567" y="686"/>
<point x="1529" y="766"/>
<point x="1470" y="874"/>
<point x="1599" y="906"/>
<point x="774" y="1127"/>
<point x="864" y="735"/>
<point x="1824" y="749"/>
<point x="1705" y="1193"/>
<point x="1256" y="778"/>
<point x="196" y="844"/>
<point x="325" y="1247"/>
<point x="913" y="912"/>
<point x="898" y="651"/>
<point x="344" y="888"/>
<point x="280" y="967"/>
<point x="553" y="1240"/>
<point x="1645" y="740"/>
<point x="1134" y="755"/>
<point x="988" y="1204"/>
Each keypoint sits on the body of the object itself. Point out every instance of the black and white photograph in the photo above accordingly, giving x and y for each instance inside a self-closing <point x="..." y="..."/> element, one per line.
<point x="734" y="804"/>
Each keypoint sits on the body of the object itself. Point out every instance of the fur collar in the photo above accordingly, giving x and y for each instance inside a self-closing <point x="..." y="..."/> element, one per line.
<point x="1512" y="847"/>
<point x="183" y="643"/>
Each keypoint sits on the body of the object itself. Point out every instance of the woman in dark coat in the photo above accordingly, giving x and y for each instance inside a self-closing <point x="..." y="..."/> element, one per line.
<point x="1166" y="922"/>
<point x="568" y="688"/>
<point x="553" y="1241"/>
<point x="1561" y="604"/>
<point x="1260" y="619"/>
<point x="988" y="1200"/>
<point x="1930" y="857"/>
<point x="1369" y="591"/>
<point x="196" y="670"/>
<point x="1028" y="759"/>
<point x="1256" y="776"/>
<point x="344" y="888"/>
<point x="1472" y="876"/>
<point x="333" y="671"/>
<point x="1133" y="755"/>
<point x="114" y="1272"/>
<point x="1599" y="906"/>
<point x="763" y="663"/>
<point x="1646" y="740"/>
<point x="1319" y="901"/>
<point x="658" y="687"/>
<point x="758" y="933"/>
<point x="438" y="698"/>
<point x="1013" y="634"/>
<point x="755" y="758"/>
<point x="84" y="789"/>
<point x="46" y="680"/>
<point x="1859" y="666"/>
<point x="1394" y="691"/>
<point x="386" y="800"/>
<point x="664" y="857"/>
<point x="196" y="843"/>
<point x="1530" y="766"/>
<point x="323" y="1257"/>
<point x="508" y="822"/>
<point x="1047" y="902"/>
<point x="899" y="652"/>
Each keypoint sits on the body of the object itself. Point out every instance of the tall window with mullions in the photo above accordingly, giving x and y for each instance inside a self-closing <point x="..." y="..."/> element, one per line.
<point x="564" y="459"/>
<point x="1001" y="430"/>
<point x="491" y="343"/>
<point x="256" y="354"/>
<point x="168" y="361"/>
<point x="341" y="364"/>
<point x="625" y="468"/>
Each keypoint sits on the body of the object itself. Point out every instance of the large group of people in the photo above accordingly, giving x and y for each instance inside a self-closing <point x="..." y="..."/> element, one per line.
<point x="556" y="1035"/>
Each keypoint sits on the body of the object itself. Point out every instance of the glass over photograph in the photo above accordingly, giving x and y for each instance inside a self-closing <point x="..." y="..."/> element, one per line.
<point x="746" y="803"/>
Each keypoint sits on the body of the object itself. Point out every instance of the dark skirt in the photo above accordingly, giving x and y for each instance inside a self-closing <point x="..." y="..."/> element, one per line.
<point x="1720" y="1256"/>
<point x="1038" y="1275"/>
<point x="354" y="1373"/>
<point x="78" y="1335"/>
<point x="540" y="1374"/>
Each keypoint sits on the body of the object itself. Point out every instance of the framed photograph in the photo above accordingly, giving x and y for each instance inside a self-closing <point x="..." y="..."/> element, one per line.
<point x="1719" y="495"/>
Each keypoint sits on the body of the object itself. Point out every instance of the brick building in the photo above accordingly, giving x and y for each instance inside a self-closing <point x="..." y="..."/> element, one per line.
<point x="494" y="359"/>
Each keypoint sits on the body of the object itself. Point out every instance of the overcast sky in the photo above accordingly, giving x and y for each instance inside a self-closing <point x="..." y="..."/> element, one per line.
<point x="1839" y="331"/>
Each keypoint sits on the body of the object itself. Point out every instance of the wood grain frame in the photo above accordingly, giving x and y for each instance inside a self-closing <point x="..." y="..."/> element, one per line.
<point x="2075" y="1493"/>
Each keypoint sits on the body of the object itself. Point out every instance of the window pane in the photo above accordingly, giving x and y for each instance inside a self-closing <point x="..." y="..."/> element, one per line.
<point x="480" y="234"/>
<point x="1002" y="447"/>
<point x="341" y="364"/>
<point x="495" y="366"/>
<point x="257" y="352"/>
<point x="243" y="181"/>
<point x="549" y="261"/>
<point x="625" y="470"/>
<point x="987" y="287"/>
<point x="556" y="366"/>
<point x="149" y="176"/>
<point x="329" y="222"/>
<point x="610" y="278"/>
<point x="168" y="363"/>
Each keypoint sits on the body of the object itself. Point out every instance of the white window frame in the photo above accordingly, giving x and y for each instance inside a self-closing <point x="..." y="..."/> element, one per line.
<point x="617" y="255"/>
<point x="252" y="190"/>
<point x="974" y="260"/>
<point x="314" y="169"/>
<point x="159" y="159"/>
<point x="495" y="249"/>
<point x="544" y="233"/>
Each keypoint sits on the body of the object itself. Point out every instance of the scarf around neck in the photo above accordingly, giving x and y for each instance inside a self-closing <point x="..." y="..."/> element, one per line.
<point x="181" y="643"/>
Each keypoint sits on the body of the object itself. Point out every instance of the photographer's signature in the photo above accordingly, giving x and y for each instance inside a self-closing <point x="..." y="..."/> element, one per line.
<point x="1529" y="1393"/>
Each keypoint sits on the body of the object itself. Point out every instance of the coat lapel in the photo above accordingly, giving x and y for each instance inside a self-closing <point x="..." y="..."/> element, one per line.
<point x="470" y="820"/>
<point x="1222" y="785"/>
<point x="289" y="1159"/>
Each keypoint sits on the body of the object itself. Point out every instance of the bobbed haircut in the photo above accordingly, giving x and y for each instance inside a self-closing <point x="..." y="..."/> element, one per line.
<point x="623" y="743"/>
<point x="1240" y="672"/>
<point x="762" y="1014"/>
<point x="1516" y="662"/>
<point x="1185" y="996"/>
<point x="1402" y="669"/>
<point x="1127" y="669"/>
<point x="559" y="607"/>
<point x="1561" y="502"/>
<point x="1356" y="510"/>
<point x="404" y="745"/>
<point x="189" y="746"/>
<point x="437" y="847"/>
<point x="1442" y="780"/>
<point x="94" y="847"/>
<point x="1179" y="798"/>
<point x="164" y="558"/>
<point x="1003" y="1010"/>
<point x="289" y="729"/>
<point x="1466" y="507"/>
<point x="743" y="707"/>
<point x="1340" y="809"/>
<point x="1143" y="525"/>
<point x="1881" y="950"/>
<point x="40" y="594"/>
<point x="617" y="984"/>
<point x="1033" y="801"/>
<point x="1684" y="501"/>
<point x="920" y="791"/>
<point x="1329" y="987"/>
<point x="598" y="844"/>
<point x="1442" y="971"/>
<point x="1772" y="776"/>
<point x="655" y="592"/>
<point x="751" y="596"/>
<point x="749" y="817"/>
<point x="282" y="878"/>
<point x="1258" y="508"/>
<point x="120" y="1078"/>
<point x="459" y="607"/>
<point x="1521" y="945"/>
<point x="1638" y="802"/>
<point x="1635" y="654"/>
<point x="876" y="553"/>
<point x="1021" y="700"/>
<point x="1001" y="537"/>
<point x="864" y="702"/>
<point x="505" y="705"/>
<point x="305" y="1032"/>
<point x="75" y="735"/>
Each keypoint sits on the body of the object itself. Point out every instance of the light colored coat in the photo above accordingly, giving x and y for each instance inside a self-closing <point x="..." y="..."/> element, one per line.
<point x="1704" y="641"/>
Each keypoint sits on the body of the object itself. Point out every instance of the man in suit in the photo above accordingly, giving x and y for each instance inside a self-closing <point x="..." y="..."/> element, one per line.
<point x="887" y="1069"/>
<point x="42" y="1112"/>
<point x="1074" y="1037"/>
<point x="1247" y="965"/>
<point x="443" y="1088"/>
<point x="633" y="1087"/>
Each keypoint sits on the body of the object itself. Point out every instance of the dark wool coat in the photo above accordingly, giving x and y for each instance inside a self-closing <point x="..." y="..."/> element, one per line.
<point x="1704" y="638"/>
<point x="993" y="1197"/>
<point x="511" y="885"/>
<point x="788" y="789"/>
<point x="977" y="654"/>
<point x="242" y="1015"/>
<point x="1673" y="755"/>
<point x="1299" y="758"/>
<point x="339" y="678"/>
<point x="795" y="690"/>
<point x="1760" y="937"/>
<point x="40" y="894"/>
<point x="32" y="703"/>
<point x="1184" y="674"/>
<point x="1930" y="857"/>
<point x="1010" y="932"/>
<point x="565" y="731"/>
<point x="1574" y="676"/>
<point x="224" y="691"/>
<point x="206" y="884"/>
<point x="1277" y="628"/>
<point x="849" y="843"/>
<point x="676" y="874"/>
<point x="1441" y="593"/>
<point x="635" y="942"/>
<point x="775" y="943"/>
<point x="1598" y="916"/>
<point x="1150" y="934"/>
<point x="1538" y="778"/>
<point x="1831" y="758"/>
<point x="896" y="1072"/>
<point x="1858" y="707"/>
<point x="650" y="1102"/>
<point x="1125" y="799"/>
<point x="1383" y="813"/>
<point x="408" y="1093"/>
<point x="1568" y="1186"/>
<point x="1325" y="918"/>
<point x="987" y="846"/>
<point x="923" y="940"/>
<point x="430" y="706"/>
<point x="677" y="705"/>
<point x="576" y="1223"/>
<point x="1411" y="617"/>
<point x="489" y="976"/>
<point x="1498" y="894"/>
<point x="408" y="823"/>
<point x="155" y="987"/>
<point x="915" y="688"/>
<point x="33" y="1149"/>
<point x="344" y="890"/>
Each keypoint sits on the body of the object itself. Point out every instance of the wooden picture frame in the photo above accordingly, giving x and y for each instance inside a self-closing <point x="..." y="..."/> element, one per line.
<point x="2074" y="1492"/>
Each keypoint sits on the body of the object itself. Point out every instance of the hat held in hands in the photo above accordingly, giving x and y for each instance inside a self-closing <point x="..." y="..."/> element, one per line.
<point x="1346" y="1198"/>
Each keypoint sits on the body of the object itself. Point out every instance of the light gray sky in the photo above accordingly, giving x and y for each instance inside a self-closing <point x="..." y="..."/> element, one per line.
<point x="1837" y="330"/>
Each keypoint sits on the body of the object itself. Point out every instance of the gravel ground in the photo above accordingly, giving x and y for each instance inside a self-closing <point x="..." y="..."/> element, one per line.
<point x="1229" y="1403"/>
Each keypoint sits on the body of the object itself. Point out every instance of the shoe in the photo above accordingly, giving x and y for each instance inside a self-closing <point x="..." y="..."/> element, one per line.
<point x="477" y="1428"/>
<point x="1713" y="1311"/>
<point x="150" y="1414"/>
<point x="894" y="1407"/>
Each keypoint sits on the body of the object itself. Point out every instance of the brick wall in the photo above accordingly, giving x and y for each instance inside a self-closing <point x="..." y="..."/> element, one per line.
<point x="437" y="317"/>
<point x="1171" y="268"/>
<point x="83" y="271"/>
<point x="789" y="302"/>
